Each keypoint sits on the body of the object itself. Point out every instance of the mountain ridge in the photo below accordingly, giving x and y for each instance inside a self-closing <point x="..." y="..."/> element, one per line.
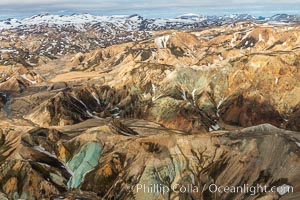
<point x="85" y="18"/>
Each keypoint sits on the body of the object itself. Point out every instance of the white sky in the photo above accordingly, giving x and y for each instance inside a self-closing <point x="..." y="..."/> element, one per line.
<point x="148" y="7"/>
<point x="143" y="3"/>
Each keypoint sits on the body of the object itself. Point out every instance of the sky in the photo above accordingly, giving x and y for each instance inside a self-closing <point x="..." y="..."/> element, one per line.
<point x="147" y="8"/>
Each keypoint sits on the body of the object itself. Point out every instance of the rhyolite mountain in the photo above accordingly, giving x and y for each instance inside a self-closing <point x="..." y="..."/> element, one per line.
<point x="183" y="107"/>
<point x="34" y="40"/>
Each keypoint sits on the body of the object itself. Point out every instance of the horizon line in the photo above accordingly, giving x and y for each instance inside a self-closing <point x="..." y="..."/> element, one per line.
<point x="70" y="13"/>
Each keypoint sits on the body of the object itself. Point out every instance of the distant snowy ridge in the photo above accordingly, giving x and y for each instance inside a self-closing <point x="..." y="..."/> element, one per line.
<point x="135" y="22"/>
<point x="75" y="19"/>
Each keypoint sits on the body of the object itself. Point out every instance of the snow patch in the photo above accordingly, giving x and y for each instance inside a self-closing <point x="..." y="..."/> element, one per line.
<point x="96" y="98"/>
<point x="193" y="95"/>
<point x="219" y="105"/>
<point x="276" y="80"/>
<point x="24" y="76"/>
<point x="42" y="150"/>
<point x="246" y="35"/>
<point x="215" y="127"/>
<point x="161" y="42"/>
<point x="8" y="51"/>
<point x="220" y="57"/>
<point x="91" y="115"/>
<point x="81" y="102"/>
<point x="184" y="96"/>
<point x="233" y="40"/>
<point x="260" y="38"/>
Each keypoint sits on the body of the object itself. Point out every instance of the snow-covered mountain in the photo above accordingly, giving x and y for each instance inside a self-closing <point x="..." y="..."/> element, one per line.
<point x="285" y="18"/>
<point x="132" y="22"/>
<point x="47" y="36"/>
<point x="81" y="21"/>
